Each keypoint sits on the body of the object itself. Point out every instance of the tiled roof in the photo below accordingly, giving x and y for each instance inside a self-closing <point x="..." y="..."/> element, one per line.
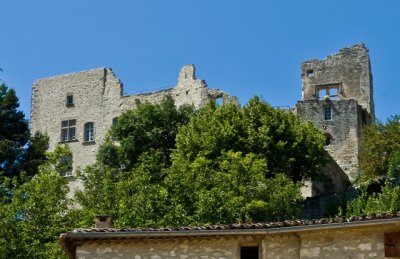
<point x="238" y="226"/>
<point x="69" y="239"/>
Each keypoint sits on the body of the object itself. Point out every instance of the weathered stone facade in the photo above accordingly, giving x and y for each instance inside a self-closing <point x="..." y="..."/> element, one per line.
<point x="337" y="96"/>
<point x="363" y="239"/>
<point x="95" y="97"/>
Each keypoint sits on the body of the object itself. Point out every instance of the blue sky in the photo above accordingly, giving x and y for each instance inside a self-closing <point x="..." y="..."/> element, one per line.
<point x="243" y="47"/>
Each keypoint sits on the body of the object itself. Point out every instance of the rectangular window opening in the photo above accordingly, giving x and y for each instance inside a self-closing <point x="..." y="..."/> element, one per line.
<point x="249" y="252"/>
<point x="328" y="113"/>
<point x="68" y="131"/>
<point x="310" y="73"/>
<point x="89" y="132"/>
<point x="328" y="93"/>
<point x="70" y="100"/>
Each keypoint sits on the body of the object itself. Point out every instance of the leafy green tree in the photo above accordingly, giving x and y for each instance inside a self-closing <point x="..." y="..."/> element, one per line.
<point x="34" y="154"/>
<point x="37" y="214"/>
<point x="232" y="188"/>
<point x="131" y="162"/>
<point x="149" y="126"/>
<point x="287" y="144"/>
<point x="386" y="201"/>
<point x="225" y="164"/>
<point x="13" y="132"/>
<point x="379" y="143"/>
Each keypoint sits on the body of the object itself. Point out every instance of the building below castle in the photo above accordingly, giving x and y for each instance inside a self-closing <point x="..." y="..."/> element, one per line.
<point x="337" y="96"/>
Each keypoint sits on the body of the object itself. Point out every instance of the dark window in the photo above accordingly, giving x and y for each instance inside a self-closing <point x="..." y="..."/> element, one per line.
<point x="249" y="252"/>
<point x="328" y="113"/>
<point x="70" y="100"/>
<point x="114" y="121"/>
<point x="89" y="132"/>
<point x="68" y="132"/>
<point x="310" y="73"/>
<point x="328" y="139"/>
<point x="66" y="166"/>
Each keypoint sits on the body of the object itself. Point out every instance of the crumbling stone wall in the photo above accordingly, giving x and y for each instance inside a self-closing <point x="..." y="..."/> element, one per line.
<point x="350" y="69"/>
<point x="340" y="85"/>
<point x="97" y="98"/>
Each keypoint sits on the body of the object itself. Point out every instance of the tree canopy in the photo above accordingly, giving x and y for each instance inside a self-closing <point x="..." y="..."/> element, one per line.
<point x="38" y="213"/>
<point x="13" y="132"/>
<point x="380" y="148"/>
<point x="20" y="155"/>
<point x="165" y="166"/>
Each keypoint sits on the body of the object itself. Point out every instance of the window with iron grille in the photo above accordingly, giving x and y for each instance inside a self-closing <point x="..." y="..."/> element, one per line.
<point x="68" y="130"/>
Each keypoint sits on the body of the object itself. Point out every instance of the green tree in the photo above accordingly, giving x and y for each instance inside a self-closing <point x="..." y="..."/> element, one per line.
<point x="385" y="201"/>
<point x="287" y="144"/>
<point x="224" y="164"/>
<point x="37" y="214"/>
<point x="13" y="132"/>
<point x="379" y="144"/>
<point x="149" y="126"/>
<point x="131" y="163"/>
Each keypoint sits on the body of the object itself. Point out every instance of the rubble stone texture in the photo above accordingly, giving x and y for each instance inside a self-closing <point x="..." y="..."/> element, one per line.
<point x="337" y="97"/>
<point x="98" y="99"/>
<point x="341" y="83"/>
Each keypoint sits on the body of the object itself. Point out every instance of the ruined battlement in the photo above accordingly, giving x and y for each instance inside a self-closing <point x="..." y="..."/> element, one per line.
<point x="345" y="75"/>
<point x="337" y="96"/>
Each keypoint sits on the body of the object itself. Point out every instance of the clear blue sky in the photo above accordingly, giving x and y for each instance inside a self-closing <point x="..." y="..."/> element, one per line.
<point x="243" y="47"/>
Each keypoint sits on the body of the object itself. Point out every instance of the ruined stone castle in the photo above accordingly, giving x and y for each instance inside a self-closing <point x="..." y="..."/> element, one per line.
<point x="79" y="108"/>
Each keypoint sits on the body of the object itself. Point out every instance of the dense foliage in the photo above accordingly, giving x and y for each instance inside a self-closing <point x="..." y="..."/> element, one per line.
<point x="13" y="132"/>
<point x="224" y="164"/>
<point x="379" y="189"/>
<point x="37" y="214"/>
<point x="148" y="127"/>
<point x="20" y="155"/>
<point x="380" y="148"/>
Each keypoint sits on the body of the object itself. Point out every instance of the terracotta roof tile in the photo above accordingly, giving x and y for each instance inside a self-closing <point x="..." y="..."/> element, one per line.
<point x="260" y="225"/>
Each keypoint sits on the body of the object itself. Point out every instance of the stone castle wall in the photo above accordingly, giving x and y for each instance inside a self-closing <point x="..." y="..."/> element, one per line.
<point x="97" y="98"/>
<point x="341" y="83"/>
<point x="350" y="69"/>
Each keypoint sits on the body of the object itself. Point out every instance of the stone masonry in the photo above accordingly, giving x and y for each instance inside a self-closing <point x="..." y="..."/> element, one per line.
<point x="349" y="238"/>
<point x="337" y="96"/>
<point x="79" y="108"/>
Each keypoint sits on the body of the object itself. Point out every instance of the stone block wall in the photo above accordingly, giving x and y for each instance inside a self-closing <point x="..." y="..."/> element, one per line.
<point x="350" y="69"/>
<point x="201" y="248"/>
<point x="97" y="98"/>
<point x="339" y="243"/>
<point x="343" y="130"/>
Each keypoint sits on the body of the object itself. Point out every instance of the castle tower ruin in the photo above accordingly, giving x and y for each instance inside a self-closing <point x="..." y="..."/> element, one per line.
<point x="337" y="96"/>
